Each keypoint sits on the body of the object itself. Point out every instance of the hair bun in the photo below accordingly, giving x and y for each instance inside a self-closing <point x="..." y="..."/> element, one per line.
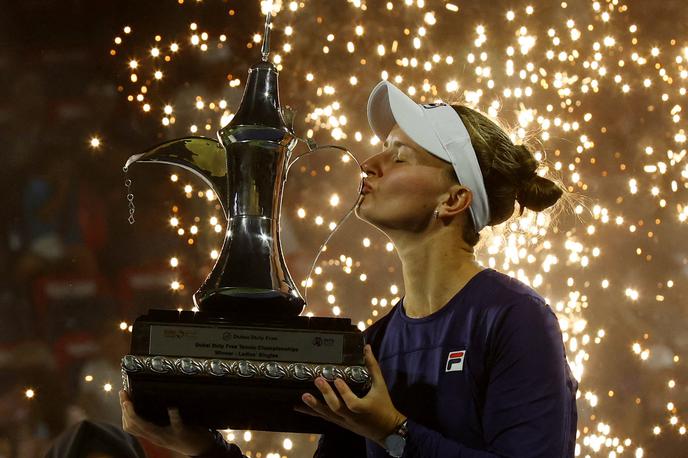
<point x="529" y="164"/>
<point x="538" y="193"/>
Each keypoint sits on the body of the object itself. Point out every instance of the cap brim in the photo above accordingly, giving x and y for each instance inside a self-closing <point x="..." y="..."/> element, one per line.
<point x="388" y="106"/>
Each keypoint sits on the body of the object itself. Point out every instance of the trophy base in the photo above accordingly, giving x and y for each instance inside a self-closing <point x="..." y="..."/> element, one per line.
<point x="211" y="369"/>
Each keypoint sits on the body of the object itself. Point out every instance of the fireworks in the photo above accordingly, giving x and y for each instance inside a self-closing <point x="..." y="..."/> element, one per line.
<point x="599" y="101"/>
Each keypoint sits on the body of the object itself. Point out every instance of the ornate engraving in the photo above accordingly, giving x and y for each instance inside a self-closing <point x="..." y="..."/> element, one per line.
<point x="273" y="370"/>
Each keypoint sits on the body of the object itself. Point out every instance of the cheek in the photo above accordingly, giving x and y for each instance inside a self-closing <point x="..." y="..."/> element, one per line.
<point x="414" y="188"/>
<point x="404" y="200"/>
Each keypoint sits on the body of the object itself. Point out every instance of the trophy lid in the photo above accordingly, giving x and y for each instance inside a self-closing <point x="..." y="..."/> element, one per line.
<point x="260" y="102"/>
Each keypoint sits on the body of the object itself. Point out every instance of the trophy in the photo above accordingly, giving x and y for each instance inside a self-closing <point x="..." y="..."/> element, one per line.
<point x="245" y="357"/>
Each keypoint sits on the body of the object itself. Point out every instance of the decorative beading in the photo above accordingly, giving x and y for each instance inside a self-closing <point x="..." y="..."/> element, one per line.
<point x="242" y="368"/>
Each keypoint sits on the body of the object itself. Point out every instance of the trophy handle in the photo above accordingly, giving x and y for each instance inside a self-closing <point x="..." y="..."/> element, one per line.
<point x="203" y="156"/>
<point x="312" y="148"/>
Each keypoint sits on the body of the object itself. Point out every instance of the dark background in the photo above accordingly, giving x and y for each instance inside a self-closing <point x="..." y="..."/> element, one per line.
<point x="72" y="268"/>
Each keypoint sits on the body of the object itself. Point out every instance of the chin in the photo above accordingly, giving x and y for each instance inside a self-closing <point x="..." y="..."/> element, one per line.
<point x="357" y="212"/>
<point x="361" y="213"/>
<point x="368" y="216"/>
<point x="367" y="212"/>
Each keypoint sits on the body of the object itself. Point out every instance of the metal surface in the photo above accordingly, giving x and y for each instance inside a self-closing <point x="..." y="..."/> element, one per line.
<point x="247" y="170"/>
<point x="273" y="370"/>
<point x="228" y="383"/>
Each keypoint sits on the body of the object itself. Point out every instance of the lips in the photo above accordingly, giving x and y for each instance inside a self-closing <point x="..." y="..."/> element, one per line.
<point x="366" y="188"/>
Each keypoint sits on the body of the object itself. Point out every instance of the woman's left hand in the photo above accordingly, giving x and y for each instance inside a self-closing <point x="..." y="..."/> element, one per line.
<point x="372" y="416"/>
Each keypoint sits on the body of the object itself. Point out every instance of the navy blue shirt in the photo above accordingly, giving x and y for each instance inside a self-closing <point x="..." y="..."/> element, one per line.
<point x="484" y="376"/>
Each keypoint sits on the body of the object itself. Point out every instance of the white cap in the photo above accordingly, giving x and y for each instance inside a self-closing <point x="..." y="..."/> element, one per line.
<point x="438" y="129"/>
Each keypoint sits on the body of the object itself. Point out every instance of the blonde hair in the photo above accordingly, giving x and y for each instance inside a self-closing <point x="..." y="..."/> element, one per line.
<point x="509" y="172"/>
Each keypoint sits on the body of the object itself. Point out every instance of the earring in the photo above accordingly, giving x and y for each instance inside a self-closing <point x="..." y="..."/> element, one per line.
<point x="437" y="214"/>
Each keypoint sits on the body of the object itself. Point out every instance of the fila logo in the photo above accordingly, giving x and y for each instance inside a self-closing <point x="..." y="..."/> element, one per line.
<point x="455" y="361"/>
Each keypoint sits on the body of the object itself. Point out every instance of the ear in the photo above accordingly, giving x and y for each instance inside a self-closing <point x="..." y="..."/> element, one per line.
<point x="458" y="200"/>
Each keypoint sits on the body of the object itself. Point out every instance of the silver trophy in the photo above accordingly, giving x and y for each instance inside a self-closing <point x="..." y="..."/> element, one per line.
<point x="245" y="358"/>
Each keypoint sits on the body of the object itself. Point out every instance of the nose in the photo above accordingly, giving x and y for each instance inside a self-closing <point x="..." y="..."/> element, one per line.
<point x="369" y="166"/>
<point x="366" y="169"/>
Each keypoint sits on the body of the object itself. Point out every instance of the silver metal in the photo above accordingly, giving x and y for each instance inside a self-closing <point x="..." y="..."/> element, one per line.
<point x="161" y="365"/>
<point x="130" y="196"/>
<point x="272" y="370"/>
<point x="132" y="364"/>
<point x="217" y="367"/>
<point x="247" y="170"/>
<point x="357" y="373"/>
<point x="265" y="50"/>
<point x="301" y="371"/>
<point x="245" y="368"/>
<point x="189" y="366"/>
<point x="249" y="283"/>
<point x="330" y="372"/>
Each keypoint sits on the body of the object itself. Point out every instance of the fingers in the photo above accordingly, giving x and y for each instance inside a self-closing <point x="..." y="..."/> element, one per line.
<point x="123" y="397"/>
<point x="372" y="365"/>
<point x="129" y="424"/>
<point x="348" y="396"/>
<point x="127" y="412"/>
<point x="314" y="405"/>
<point x="331" y="398"/>
<point x="133" y="424"/>
<point x="175" y="419"/>
<point x="318" y="409"/>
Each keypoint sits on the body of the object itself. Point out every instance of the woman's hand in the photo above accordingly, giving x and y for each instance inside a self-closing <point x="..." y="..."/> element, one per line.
<point x="187" y="440"/>
<point x="372" y="416"/>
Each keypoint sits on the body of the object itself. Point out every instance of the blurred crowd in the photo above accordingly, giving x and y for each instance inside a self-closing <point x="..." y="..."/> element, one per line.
<point x="66" y="276"/>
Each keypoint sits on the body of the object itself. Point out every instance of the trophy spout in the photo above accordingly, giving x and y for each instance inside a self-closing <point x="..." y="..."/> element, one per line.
<point x="205" y="157"/>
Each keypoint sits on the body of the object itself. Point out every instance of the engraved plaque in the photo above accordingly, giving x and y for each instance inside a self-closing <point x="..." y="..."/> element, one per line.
<point x="262" y="344"/>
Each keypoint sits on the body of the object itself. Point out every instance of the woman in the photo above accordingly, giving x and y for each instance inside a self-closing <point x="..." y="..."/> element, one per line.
<point x="471" y="361"/>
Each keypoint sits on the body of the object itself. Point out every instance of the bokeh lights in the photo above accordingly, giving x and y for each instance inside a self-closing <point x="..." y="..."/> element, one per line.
<point x="593" y="92"/>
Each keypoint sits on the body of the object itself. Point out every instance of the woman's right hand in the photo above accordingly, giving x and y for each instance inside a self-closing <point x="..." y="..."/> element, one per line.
<point x="181" y="438"/>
